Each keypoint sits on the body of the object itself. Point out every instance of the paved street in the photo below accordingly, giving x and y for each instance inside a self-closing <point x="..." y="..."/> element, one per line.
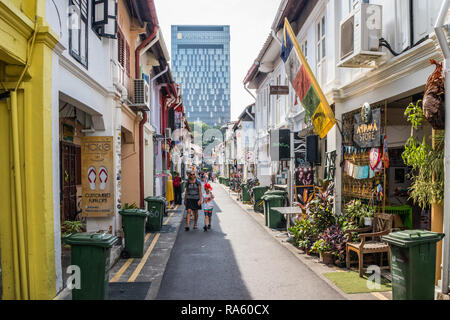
<point x="237" y="259"/>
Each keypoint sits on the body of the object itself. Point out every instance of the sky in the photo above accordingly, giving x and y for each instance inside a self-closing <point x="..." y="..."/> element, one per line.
<point x="249" y="20"/>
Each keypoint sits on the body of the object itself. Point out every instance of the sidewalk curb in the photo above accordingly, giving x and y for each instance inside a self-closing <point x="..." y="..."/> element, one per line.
<point x="310" y="264"/>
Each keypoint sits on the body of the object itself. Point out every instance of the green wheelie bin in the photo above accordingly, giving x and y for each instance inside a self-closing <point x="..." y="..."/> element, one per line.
<point x="245" y="194"/>
<point x="90" y="252"/>
<point x="275" y="220"/>
<point x="156" y="208"/>
<point x="258" y="192"/>
<point x="413" y="263"/>
<point x="133" y="222"/>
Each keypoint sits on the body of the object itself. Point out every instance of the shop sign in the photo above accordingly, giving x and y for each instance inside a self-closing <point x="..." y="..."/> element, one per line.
<point x="97" y="178"/>
<point x="279" y="90"/>
<point x="367" y="129"/>
<point x="68" y="132"/>
<point x="280" y="145"/>
<point x="178" y="119"/>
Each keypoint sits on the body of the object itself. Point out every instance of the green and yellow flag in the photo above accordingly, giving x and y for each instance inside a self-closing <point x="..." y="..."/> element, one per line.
<point x="305" y="84"/>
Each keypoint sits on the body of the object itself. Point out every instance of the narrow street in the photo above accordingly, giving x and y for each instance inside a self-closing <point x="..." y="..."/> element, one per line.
<point x="236" y="259"/>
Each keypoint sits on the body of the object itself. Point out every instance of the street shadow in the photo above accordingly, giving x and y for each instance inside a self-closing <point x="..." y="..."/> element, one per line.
<point x="202" y="265"/>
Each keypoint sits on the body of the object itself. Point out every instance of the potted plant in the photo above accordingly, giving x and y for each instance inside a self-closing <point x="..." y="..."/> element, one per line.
<point x="368" y="218"/>
<point x="324" y="251"/>
<point x="69" y="227"/>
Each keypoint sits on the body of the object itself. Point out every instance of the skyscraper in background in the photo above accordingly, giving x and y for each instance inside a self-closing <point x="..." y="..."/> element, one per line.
<point x="201" y="64"/>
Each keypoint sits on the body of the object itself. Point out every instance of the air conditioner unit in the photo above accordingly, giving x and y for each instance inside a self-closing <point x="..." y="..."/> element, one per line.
<point x="141" y="95"/>
<point x="168" y="133"/>
<point x="360" y="34"/>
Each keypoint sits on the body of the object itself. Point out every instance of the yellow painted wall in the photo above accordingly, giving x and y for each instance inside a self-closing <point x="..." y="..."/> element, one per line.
<point x="130" y="157"/>
<point x="28" y="272"/>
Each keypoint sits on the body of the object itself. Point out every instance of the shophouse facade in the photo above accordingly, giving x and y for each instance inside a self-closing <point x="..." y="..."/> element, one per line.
<point x="386" y="79"/>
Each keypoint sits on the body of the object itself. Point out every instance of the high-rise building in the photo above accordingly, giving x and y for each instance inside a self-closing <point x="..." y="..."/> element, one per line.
<point x="201" y="64"/>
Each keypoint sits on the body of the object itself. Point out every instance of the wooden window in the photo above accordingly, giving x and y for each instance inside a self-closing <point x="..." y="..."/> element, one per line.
<point x="121" y="47"/>
<point x="127" y="55"/>
<point x="78" y="30"/>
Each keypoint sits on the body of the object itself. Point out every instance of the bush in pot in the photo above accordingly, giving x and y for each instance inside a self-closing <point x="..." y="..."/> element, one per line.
<point x="324" y="250"/>
<point x="336" y="240"/>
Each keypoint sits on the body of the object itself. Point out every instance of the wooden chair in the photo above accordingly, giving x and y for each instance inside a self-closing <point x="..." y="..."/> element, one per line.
<point x="382" y="225"/>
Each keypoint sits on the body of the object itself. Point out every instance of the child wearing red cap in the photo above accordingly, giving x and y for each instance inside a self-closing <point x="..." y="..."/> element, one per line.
<point x="208" y="207"/>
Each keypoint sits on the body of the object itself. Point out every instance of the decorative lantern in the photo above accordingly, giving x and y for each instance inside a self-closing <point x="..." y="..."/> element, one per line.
<point x="105" y="18"/>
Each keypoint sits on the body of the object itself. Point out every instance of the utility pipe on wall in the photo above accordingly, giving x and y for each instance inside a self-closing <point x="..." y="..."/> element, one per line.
<point x="20" y="262"/>
<point x="138" y="51"/>
<point x="442" y="38"/>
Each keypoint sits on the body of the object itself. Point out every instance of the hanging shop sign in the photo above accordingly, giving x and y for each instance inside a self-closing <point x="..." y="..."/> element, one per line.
<point x="97" y="176"/>
<point x="178" y="119"/>
<point x="68" y="132"/>
<point x="280" y="145"/>
<point x="367" y="129"/>
<point x="279" y="90"/>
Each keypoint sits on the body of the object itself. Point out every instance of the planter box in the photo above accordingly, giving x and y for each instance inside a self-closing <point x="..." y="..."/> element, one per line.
<point x="326" y="258"/>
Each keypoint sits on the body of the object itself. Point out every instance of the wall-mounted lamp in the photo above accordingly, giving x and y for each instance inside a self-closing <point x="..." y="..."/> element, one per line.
<point x="105" y="18"/>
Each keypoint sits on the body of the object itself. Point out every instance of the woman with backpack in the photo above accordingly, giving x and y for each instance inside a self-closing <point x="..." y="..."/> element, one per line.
<point x="193" y="199"/>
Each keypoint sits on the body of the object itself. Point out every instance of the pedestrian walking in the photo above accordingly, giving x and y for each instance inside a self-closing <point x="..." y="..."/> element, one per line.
<point x="208" y="206"/>
<point x="177" y="188"/>
<point x="193" y="199"/>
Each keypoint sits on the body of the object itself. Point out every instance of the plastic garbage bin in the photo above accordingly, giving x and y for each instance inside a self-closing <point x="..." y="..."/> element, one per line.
<point x="90" y="252"/>
<point x="156" y="208"/>
<point x="245" y="194"/>
<point x="133" y="222"/>
<point x="413" y="263"/>
<point x="258" y="192"/>
<point x="275" y="220"/>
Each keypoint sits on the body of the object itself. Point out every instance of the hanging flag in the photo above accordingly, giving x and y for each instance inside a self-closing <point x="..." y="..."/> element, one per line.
<point x="305" y="84"/>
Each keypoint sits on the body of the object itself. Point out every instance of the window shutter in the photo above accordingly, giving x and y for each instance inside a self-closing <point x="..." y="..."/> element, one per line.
<point x="128" y="59"/>
<point x="121" y="55"/>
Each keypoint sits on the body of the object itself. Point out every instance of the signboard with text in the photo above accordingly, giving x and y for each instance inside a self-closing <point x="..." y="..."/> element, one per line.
<point x="279" y="90"/>
<point x="280" y="145"/>
<point x="367" y="132"/>
<point x="97" y="172"/>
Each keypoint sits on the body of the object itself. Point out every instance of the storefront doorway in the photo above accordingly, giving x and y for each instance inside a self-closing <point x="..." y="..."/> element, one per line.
<point x="70" y="178"/>
<point x="386" y="186"/>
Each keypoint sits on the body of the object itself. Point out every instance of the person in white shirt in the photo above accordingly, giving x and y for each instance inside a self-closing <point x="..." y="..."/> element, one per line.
<point x="208" y="206"/>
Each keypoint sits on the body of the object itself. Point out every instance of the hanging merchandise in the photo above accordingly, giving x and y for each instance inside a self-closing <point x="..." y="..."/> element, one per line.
<point x="379" y="191"/>
<point x="433" y="100"/>
<point x="351" y="168"/>
<point x="374" y="157"/>
<point x="385" y="152"/>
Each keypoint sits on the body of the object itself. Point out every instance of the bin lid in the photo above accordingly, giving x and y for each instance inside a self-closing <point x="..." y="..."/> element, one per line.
<point x="410" y="238"/>
<point x="276" y="192"/>
<point x="269" y="197"/>
<point x="104" y="240"/>
<point x="259" y="188"/>
<point x="134" y="212"/>
<point x="155" y="199"/>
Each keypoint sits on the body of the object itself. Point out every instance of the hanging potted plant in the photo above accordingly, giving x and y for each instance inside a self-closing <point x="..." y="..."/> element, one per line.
<point x="368" y="218"/>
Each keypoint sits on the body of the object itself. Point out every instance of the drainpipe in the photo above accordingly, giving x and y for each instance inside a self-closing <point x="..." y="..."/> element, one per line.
<point x="144" y="119"/>
<point x="274" y="35"/>
<point x="442" y="38"/>
<point x="249" y="92"/>
<point x="152" y="84"/>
